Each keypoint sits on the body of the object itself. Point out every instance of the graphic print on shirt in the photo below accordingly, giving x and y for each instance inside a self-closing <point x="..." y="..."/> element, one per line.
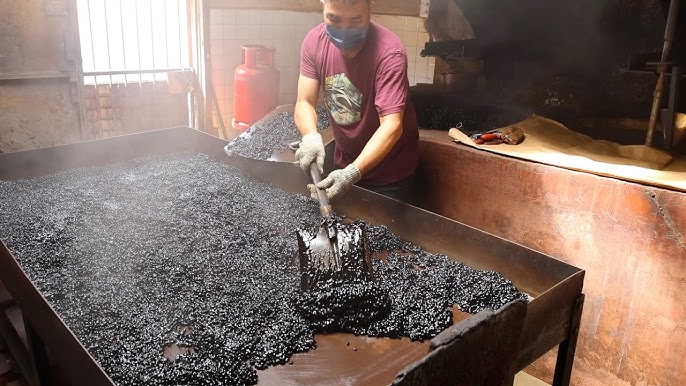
<point x="342" y="99"/>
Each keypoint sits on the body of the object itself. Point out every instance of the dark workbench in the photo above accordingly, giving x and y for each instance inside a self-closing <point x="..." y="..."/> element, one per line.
<point x="551" y="319"/>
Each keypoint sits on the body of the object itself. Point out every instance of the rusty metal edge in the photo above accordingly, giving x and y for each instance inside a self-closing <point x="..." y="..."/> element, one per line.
<point x="78" y="364"/>
<point x="498" y="354"/>
<point x="549" y="319"/>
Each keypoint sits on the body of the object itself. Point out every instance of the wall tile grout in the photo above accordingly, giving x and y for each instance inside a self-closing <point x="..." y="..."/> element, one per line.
<point x="284" y="30"/>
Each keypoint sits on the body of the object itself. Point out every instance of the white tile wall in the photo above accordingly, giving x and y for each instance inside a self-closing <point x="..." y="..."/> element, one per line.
<point x="411" y="31"/>
<point x="285" y="30"/>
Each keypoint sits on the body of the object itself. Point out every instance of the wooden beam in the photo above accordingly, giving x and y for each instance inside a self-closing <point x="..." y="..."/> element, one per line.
<point x="379" y="7"/>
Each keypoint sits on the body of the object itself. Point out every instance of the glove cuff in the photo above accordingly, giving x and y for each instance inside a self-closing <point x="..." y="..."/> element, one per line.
<point x="352" y="174"/>
<point x="313" y="137"/>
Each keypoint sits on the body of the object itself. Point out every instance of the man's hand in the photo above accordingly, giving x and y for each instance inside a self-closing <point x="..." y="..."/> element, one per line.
<point x="311" y="150"/>
<point x="338" y="182"/>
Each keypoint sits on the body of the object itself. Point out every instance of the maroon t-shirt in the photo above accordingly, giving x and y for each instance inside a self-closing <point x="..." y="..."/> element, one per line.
<point x="358" y="91"/>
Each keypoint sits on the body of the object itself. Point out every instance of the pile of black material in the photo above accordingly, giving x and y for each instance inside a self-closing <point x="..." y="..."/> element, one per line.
<point x="184" y="251"/>
<point x="338" y="290"/>
<point x="272" y="134"/>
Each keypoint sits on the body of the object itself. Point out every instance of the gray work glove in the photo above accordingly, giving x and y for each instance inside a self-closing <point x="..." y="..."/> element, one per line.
<point x="311" y="150"/>
<point x="337" y="182"/>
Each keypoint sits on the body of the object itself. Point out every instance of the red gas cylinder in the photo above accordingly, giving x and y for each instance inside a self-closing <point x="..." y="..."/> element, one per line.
<point x="255" y="86"/>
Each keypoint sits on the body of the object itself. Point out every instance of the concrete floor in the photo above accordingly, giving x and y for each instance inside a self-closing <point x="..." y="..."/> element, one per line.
<point x="524" y="379"/>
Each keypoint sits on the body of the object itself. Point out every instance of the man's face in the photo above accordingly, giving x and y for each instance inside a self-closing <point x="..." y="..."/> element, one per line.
<point x="343" y="15"/>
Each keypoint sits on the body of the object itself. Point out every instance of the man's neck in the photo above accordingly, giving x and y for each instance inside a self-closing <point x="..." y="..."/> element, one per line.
<point x="351" y="53"/>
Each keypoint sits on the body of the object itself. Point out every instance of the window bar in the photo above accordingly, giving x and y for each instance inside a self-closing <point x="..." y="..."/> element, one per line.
<point x="138" y="42"/>
<point x="189" y="97"/>
<point x="178" y="15"/>
<point x="108" y="96"/>
<point x="96" y="96"/>
<point x="90" y="29"/>
<point x="152" y="36"/>
<point x="165" y="98"/>
<point x="125" y="102"/>
<point x="107" y="40"/>
<point x="141" y="116"/>
<point x="154" y="76"/>
<point x="136" y="72"/>
<point x="123" y="40"/>
<point x="166" y="35"/>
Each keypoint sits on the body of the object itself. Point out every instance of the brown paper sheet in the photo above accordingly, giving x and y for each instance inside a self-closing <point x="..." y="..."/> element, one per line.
<point x="550" y="142"/>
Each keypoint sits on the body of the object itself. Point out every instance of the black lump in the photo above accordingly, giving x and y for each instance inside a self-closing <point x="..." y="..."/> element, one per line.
<point x="344" y="256"/>
<point x="183" y="251"/>
<point x="272" y="134"/>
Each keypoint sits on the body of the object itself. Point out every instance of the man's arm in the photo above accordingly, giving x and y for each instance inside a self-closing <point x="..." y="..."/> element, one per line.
<point x="391" y="99"/>
<point x="377" y="148"/>
<point x="305" y="114"/>
<point x="311" y="147"/>
<point x="381" y="143"/>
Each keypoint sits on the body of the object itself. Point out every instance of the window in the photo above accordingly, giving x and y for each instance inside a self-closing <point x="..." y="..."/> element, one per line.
<point x="132" y="40"/>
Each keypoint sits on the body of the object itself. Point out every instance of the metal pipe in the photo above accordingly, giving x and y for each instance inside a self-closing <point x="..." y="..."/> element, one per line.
<point x="659" y="87"/>
<point x="78" y="80"/>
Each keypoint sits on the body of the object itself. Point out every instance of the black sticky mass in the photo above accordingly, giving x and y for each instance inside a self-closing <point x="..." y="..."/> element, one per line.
<point x="348" y="305"/>
<point x="272" y="134"/>
<point x="179" y="269"/>
<point x="345" y="256"/>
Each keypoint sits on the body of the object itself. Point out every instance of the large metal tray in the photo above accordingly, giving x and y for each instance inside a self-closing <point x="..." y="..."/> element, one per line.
<point x="552" y="314"/>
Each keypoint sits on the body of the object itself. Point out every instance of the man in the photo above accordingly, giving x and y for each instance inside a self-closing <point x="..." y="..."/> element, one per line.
<point x="362" y="67"/>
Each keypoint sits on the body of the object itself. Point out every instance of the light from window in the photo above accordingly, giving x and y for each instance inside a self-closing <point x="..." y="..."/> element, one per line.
<point x="132" y="35"/>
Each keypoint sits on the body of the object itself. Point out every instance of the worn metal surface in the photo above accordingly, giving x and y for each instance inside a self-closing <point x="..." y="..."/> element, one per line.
<point x="492" y="337"/>
<point x="629" y="238"/>
<point x="554" y="285"/>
